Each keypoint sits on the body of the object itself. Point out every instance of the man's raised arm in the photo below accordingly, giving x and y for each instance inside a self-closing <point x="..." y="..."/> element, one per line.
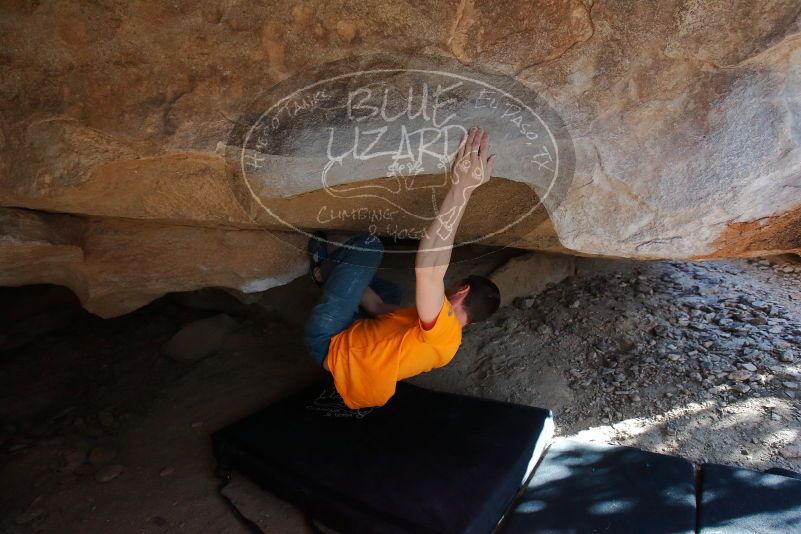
<point x="472" y="167"/>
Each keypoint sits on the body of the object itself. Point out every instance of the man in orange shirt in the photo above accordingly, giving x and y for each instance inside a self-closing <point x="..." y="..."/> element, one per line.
<point x="368" y="356"/>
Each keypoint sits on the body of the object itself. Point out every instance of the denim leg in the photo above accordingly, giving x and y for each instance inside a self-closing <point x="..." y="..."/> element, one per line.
<point x="388" y="291"/>
<point x="348" y="272"/>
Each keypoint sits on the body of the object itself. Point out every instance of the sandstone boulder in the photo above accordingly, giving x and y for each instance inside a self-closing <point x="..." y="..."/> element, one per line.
<point x="115" y="266"/>
<point x="680" y="122"/>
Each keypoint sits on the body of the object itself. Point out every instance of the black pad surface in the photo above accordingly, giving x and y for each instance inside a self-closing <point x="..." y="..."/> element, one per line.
<point x="425" y="462"/>
<point x="580" y="487"/>
<point x="736" y="500"/>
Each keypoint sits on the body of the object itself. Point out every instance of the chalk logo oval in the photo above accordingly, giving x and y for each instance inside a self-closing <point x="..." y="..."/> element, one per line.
<point x="366" y="145"/>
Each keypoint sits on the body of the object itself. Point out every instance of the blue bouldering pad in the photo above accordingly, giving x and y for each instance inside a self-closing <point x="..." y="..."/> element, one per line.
<point x="586" y="488"/>
<point x="736" y="500"/>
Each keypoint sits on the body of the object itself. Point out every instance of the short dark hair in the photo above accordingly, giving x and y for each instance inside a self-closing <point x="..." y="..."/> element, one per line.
<point x="483" y="298"/>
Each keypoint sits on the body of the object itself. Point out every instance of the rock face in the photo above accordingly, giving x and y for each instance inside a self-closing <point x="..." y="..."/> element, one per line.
<point x="683" y="119"/>
<point x="115" y="266"/>
<point x="530" y="274"/>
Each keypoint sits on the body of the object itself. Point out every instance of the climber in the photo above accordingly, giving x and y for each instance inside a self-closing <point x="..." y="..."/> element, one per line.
<point x="367" y="356"/>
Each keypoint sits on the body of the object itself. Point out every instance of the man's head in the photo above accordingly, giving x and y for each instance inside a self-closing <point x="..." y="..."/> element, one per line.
<point x="473" y="299"/>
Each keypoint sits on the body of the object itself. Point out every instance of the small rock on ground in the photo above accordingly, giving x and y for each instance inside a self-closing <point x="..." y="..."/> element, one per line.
<point x="108" y="473"/>
<point x="199" y="339"/>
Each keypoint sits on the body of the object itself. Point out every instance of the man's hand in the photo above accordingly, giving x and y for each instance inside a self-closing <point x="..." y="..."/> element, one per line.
<point x="373" y="304"/>
<point x="471" y="168"/>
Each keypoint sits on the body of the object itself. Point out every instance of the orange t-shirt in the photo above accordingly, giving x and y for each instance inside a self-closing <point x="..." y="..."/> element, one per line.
<point x="369" y="358"/>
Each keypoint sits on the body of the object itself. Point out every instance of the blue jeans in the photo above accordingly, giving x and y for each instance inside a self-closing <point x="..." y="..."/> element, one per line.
<point x="348" y="272"/>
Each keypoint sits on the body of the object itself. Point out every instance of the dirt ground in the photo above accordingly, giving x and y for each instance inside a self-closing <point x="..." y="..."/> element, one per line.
<point x="101" y="432"/>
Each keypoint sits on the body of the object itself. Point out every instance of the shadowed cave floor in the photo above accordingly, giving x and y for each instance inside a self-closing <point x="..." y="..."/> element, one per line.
<point x="695" y="359"/>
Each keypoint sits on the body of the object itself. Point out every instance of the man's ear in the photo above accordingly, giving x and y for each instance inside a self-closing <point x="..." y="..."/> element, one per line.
<point x="460" y="294"/>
